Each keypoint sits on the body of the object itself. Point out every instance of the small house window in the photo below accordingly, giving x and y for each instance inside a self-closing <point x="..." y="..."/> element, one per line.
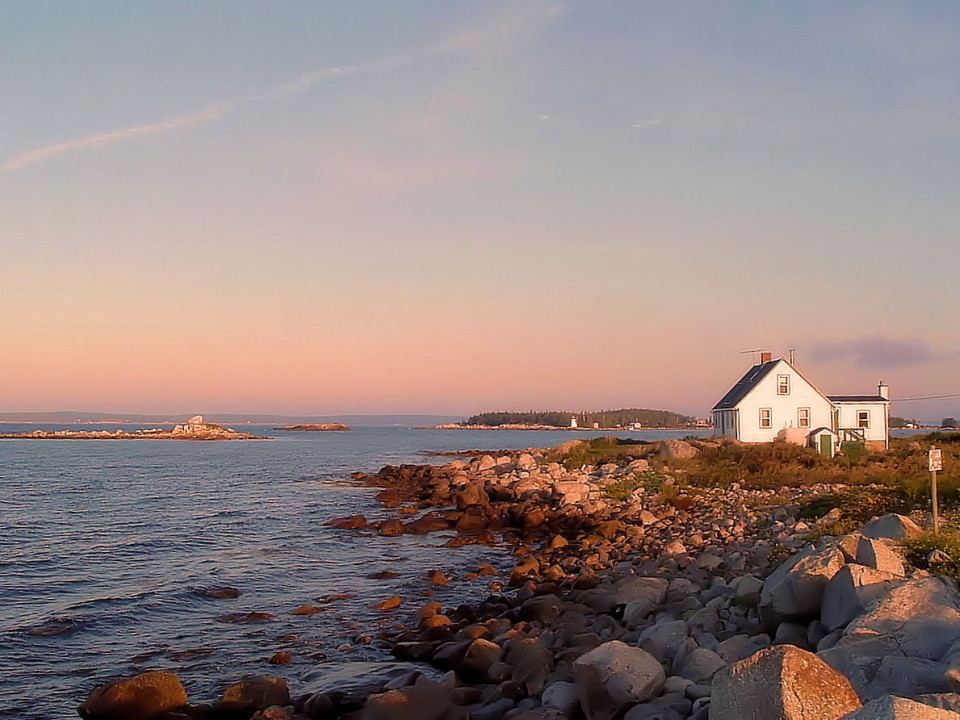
<point x="766" y="418"/>
<point x="863" y="418"/>
<point x="803" y="417"/>
<point x="783" y="384"/>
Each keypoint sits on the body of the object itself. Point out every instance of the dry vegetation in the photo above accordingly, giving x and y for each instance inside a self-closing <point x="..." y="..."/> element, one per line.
<point x="868" y="483"/>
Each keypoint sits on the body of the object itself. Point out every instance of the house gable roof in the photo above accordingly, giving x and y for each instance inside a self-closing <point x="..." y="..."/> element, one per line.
<point x="745" y="384"/>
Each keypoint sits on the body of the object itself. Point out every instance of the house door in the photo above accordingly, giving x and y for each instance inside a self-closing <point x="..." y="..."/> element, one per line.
<point x="826" y="445"/>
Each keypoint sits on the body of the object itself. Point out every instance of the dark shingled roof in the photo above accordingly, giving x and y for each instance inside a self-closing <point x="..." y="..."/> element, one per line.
<point x="745" y="384"/>
<point x="857" y="398"/>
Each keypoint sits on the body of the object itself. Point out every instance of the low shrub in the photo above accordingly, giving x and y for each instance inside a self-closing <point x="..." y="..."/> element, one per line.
<point x="623" y="489"/>
<point x="918" y="549"/>
<point x="856" y="504"/>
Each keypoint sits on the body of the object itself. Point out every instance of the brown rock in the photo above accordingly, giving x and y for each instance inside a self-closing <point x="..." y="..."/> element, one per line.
<point x="391" y="603"/>
<point x="426" y="524"/>
<point x="307" y="610"/>
<point x="351" y="522"/>
<point x="781" y="683"/>
<point x="245" y="618"/>
<point x="423" y="701"/>
<point x="274" y="712"/>
<point x="136" y="698"/>
<point x="391" y="528"/>
<point x="438" y="578"/>
<point x="474" y="519"/>
<point x="254" y="693"/>
<point x="382" y="575"/>
<point x="219" y="593"/>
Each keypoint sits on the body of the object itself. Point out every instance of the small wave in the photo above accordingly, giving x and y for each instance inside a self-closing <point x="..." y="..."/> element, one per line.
<point x="55" y="627"/>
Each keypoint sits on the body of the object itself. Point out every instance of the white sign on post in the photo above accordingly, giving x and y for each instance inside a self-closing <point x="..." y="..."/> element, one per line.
<point x="936" y="459"/>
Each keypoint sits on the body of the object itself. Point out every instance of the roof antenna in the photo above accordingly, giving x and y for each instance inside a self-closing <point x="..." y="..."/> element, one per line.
<point x="793" y="356"/>
<point x="748" y="352"/>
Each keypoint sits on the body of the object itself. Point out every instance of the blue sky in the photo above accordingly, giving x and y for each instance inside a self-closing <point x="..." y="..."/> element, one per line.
<point x="453" y="207"/>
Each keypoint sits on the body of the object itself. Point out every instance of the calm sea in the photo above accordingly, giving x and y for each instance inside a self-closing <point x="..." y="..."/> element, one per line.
<point x="104" y="543"/>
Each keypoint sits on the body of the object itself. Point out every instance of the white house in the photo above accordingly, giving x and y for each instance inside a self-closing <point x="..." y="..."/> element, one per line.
<point x="773" y="399"/>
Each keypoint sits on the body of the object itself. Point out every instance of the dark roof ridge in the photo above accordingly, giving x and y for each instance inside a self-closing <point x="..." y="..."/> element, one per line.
<point x="857" y="398"/>
<point x="747" y="383"/>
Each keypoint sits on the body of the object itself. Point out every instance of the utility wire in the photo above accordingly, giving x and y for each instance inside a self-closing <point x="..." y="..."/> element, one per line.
<point x="928" y="397"/>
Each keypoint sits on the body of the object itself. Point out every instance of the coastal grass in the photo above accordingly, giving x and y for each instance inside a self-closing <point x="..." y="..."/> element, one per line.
<point x="601" y="450"/>
<point x="763" y="466"/>
<point x="874" y="482"/>
<point x="856" y="505"/>
<point x="918" y="551"/>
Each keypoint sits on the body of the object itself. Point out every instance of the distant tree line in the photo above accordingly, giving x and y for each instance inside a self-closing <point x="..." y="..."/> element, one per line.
<point x="604" y="418"/>
<point x="898" y="422"/>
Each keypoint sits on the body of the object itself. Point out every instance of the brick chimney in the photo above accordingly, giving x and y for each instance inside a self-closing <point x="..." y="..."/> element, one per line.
<point x="765" y="357"/>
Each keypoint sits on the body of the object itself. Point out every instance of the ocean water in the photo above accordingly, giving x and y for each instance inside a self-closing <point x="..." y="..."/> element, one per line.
<point x="103" y="545"/>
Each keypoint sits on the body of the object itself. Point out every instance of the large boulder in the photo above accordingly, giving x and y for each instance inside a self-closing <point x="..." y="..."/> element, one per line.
<point x="562" y="696"/>
<point x="892" y="527"/>
<point x="613" y="676"/>
<point x="425" y="700"/>
<point x="253" y="693"/>
<point x="889" y="707"/>
<point x="480" y="655"/>
<point x="137" y="698"/>
<point x="781" y="683"/>
<point x="794" y="591"/>
<point x="672" y="448"/>
<point x="652" y="589"/>
<point x="663" y="639"/>
<point x="532" y="664"/>
<point x="700" y="665"/>
<point x="918" y="620"/>
<point x="472" y="494"/>
<point x="572" y="492"/>
<point x="850" y="591"/>
<point x="878" y="555"/>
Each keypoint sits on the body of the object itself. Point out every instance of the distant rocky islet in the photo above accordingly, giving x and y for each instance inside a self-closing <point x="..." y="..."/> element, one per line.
<point x="194" y="429"/>
<point x="316" y="427"/>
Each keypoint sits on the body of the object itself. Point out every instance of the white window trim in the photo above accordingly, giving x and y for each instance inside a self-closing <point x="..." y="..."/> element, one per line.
<point x="800" y="417"/>
<point x="867" y="418"/>
<point x="783" y="383"/>
<point x="769" y="419"/>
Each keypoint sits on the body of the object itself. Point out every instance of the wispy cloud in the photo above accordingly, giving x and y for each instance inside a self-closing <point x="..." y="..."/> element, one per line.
<point x="647" y="123"/>
<point x="204" y="115"/>
<point x="875" y="351"/>
<point x="519" y="23"/>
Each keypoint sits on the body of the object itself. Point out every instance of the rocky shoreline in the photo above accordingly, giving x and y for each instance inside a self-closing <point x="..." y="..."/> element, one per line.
<point x="624" y="600"/>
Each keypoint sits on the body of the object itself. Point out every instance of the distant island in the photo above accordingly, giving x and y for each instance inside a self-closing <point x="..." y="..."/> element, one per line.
<point x="626" y="418"/>
<point x="316" y="427"/>
<point x="194" y="429"/>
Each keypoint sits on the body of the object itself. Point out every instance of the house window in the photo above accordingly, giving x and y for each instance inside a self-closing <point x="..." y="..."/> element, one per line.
<point x="783" y="384"/>
<point x="863" y="418"/>
<point x="766" y="418"/>
<point x="803" y="417"/>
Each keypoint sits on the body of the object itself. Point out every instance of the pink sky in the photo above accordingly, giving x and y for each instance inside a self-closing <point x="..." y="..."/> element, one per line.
<point x="507" y="205"/>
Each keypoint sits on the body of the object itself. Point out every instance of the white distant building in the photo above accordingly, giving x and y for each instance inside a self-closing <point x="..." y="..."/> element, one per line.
<point x="774" y="400"/>
<point x="573" y="422"/>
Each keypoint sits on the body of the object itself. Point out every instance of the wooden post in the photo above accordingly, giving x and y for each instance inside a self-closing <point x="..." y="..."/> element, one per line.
<point x="935" y="464"/>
